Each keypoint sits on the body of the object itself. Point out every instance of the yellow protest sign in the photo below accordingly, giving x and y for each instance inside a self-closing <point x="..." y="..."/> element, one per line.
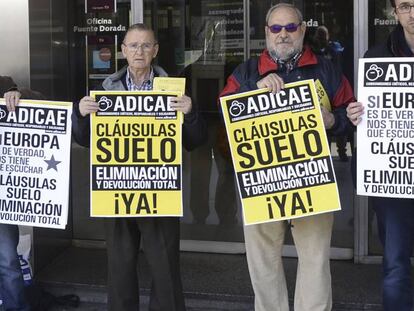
<point x="280" y="153"/>
<point x="322" y="95"/>
<point x="169" y="84"/>
<point x="136" y="162"/>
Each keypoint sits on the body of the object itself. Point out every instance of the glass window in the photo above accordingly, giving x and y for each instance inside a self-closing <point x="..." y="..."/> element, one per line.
<point x="96" y="36"/>
<point x="381" y="23"/>
<point x="203" y="41"/>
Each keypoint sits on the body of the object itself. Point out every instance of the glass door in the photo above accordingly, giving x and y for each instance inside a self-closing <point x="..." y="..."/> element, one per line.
<point x="381" y="22"/>
<point x="96" y="33"/>
<point x="203" y="41"/>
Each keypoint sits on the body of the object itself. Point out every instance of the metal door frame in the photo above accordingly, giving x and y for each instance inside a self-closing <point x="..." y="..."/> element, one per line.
<point x="361" y="233"/>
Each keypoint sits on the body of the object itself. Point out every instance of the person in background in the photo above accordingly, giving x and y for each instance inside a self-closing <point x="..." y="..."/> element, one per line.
<point x="395" y="216"/>
<point x="160" y="235"/>
<point x="12" y="291"/>
<point x="332" y="50"/>
<point x="286" y="59"/>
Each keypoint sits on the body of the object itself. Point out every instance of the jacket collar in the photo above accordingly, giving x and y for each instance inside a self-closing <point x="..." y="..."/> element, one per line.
<point x="397" y="43"/>
<point x="267" y="64"/>
<point x="117" y="81"/>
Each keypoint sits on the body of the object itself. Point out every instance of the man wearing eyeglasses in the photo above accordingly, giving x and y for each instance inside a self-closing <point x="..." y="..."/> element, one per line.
<point x="160" y="235"/>
<point x="395" y="216"/>
<point x="286" y="59"/>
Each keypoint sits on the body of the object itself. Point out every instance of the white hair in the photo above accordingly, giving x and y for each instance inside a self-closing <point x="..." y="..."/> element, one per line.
<point x="284" y="5"/>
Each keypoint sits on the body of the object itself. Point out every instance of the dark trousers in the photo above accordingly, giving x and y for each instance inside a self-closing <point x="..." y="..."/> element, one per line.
<point x="160" y="239"/>
<point x="11" y="279"/>
<point x="396" y="231"/>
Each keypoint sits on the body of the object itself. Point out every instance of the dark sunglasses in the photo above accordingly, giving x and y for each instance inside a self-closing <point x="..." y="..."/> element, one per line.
<point x="289" y="27"/>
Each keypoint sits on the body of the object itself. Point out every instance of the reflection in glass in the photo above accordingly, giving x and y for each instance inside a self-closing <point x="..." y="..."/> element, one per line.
<point x="203" y="41"/>
<point x="381" y="22"/>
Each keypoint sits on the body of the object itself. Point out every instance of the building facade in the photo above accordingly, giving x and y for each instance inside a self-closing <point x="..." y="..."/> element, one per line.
<point x="67" y="47"/>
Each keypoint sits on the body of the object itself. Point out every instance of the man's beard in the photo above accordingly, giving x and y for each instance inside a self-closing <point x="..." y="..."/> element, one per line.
<point x="283" y="53"/>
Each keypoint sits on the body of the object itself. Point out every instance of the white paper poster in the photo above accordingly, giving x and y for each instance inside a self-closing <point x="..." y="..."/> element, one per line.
<point x="34" y="163"/>
<point x="385" y="157"/>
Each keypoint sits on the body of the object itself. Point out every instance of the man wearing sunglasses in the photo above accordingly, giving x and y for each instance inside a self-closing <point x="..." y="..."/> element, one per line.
<point x="395" y="216"/>
<point x="285" y="60"/>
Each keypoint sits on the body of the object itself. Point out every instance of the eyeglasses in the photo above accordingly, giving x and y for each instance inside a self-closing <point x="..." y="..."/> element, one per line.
<point x="292" y="27"/>
<point x="404" y="8"/>
<point x="133" y="47"/>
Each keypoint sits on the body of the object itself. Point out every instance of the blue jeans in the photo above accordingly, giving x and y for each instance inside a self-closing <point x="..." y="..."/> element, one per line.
<point x="396" y="231"/>
<point x="11" y="279"/>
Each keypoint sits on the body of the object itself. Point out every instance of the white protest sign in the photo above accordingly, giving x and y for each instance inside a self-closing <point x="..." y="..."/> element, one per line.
<point x="34" y="163"/>
<point x="385" y="157"/>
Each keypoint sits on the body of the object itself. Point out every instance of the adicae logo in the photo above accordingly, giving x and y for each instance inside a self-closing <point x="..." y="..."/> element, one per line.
<point x="3" y="113"/>
<point x="374" y="73"/>
<point x="236" y="108"/>
<point x="104" y="103"/>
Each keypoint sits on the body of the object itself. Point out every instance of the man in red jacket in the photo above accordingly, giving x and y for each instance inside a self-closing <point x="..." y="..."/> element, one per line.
<point x="285" y="60"/>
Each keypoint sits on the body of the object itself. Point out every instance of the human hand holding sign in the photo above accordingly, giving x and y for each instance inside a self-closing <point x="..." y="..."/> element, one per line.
<point x="12" y="99"/>
<point x="88" y="105"/>
<point x="182" y="103"/>
<point x="328" y="118"/>
<point x="273" y="82"/>
<point x="354" y="111"/>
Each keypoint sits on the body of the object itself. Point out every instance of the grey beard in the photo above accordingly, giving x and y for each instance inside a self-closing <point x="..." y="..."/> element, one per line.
<point x="274" y="55"/>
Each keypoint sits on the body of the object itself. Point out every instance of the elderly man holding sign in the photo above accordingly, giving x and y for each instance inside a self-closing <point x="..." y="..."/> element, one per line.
<point x="160" y="235"/>
<point x="287" y="60"/>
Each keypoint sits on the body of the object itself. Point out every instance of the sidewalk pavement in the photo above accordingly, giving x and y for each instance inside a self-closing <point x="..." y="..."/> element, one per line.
<point x="211" y="282"/>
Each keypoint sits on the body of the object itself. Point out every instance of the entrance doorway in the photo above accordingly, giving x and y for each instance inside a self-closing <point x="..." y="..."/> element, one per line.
<point x="204" y="41"/>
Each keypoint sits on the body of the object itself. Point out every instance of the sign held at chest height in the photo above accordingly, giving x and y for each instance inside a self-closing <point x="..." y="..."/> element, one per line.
<point x="385" y="150"/>
<point x="136" y="155"/>
<point x="280" y="153"/>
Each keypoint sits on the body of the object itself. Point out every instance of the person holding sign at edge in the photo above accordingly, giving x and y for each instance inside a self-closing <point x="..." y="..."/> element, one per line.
<point x="286" y="60"/>
<point x="395" y="216"/>
<point x="160" y="235"/>
<point x="12" y="291"/>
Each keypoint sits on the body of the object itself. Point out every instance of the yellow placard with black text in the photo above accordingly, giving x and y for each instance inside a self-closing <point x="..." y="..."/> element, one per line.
<point x="322" y="95"/>
<point x="280" y="153"/>
<point x="136" y="158"/>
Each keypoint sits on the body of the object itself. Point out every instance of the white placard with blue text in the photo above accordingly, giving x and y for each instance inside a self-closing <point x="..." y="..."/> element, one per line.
<point x="35" y="145"/>
<point x="385" y="153"/>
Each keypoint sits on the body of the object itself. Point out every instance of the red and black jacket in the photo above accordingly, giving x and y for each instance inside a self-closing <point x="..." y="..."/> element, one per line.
<point x="309" y="66"/>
